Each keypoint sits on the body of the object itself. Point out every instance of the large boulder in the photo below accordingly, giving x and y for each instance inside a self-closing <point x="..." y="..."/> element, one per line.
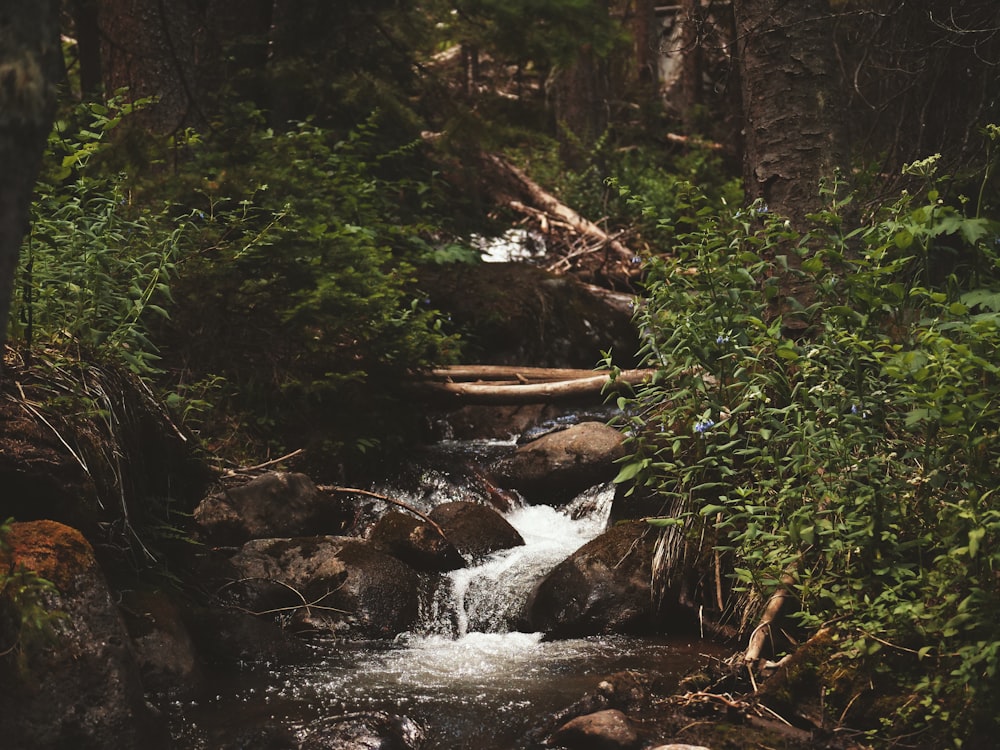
<point x="475" y="529"/>
<point x="81" y="688"/>
<point x="603" y="587"/>
<point x="276" y="504"/>
<point x="558" y="466"/>
<point x="334" y="583"/>
<point x="415" y="542"/>
<point x="604" y="730"/>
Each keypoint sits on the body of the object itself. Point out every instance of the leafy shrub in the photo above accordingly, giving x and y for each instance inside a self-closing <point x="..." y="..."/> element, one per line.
<point x="856" y="464"/>
<point x="95" y="265"/>
<point x="298" y="293"/>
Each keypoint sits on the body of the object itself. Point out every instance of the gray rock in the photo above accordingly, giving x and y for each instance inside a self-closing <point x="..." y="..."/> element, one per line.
<point x="558" y="466"/>
<point x="603" y="587"/>
<point x="276" y="504"/>
<point x="475" y="529"/>
<point x="340" y="584"/>
<point x="604" y="730"/>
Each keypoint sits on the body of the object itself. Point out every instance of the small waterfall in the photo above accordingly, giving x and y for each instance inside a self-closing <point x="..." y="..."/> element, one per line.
<point x="489" y="597"/>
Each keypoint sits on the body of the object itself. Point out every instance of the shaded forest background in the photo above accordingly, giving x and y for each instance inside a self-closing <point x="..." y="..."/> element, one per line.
<point x="307" y="159"/>
<point x="246" y="206"/>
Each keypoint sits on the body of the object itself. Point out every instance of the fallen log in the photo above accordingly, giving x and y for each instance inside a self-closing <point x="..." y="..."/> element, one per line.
<point x="511" y="392"/>
<point x="509" y="372"/>
<point x="542" y="200"/>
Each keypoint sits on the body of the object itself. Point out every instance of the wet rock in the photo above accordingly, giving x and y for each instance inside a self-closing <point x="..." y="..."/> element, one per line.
<point x="560" y="465"/>
<point x="604" y="730"/>
<point x="39" y="478"/>
<point x="165" y="652"/>
<point x="340" y="584"/>
<point x="474" y="529"/>
<point x="365" y="731"/>
<point x="416" y="543"/>
<point x="277" y="504"/>
<point x="82" y="689"/>
<point x="603" y="587"/>
<point x="229" y="639"/>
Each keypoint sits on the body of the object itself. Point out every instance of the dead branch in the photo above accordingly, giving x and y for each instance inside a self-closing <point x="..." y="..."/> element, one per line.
<point x="265" y="465"/>
<point x="557" y="211"/>
<point x="385" y="499"/>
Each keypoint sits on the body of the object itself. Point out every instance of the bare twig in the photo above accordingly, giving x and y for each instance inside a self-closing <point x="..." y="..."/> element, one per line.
<point x="383" y="498"/>
<point x="266" y="464"/>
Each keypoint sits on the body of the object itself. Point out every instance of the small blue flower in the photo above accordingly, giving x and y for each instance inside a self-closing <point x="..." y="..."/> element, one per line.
<point x="722" y="339"/>
<point x="854" y="408"/>
<point x="704" y="426"/>
<point x="763" y="209"/>
<point x="636" y="259"/>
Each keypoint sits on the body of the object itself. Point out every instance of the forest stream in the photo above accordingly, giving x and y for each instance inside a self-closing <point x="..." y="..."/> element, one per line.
<point x="464" y="677"/>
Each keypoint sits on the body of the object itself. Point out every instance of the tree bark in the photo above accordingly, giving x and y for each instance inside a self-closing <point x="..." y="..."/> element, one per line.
<point x="30" y="63"/>
<point x="150" y="49"/>
<point x="795" y="123"/>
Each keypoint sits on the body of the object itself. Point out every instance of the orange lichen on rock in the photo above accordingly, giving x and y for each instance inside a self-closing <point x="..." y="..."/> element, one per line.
<point x="54" y="551"/>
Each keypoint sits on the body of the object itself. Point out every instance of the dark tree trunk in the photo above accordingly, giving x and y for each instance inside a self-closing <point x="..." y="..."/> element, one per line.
<point x="794" y="118"/>
<point x="582" y="105"/>
<point x="692" y="70"/>
<point x="646" y="41"/>
<point x="88" y="44"/>
<point x="30" y="63"/>
<point x="149" y="47"/>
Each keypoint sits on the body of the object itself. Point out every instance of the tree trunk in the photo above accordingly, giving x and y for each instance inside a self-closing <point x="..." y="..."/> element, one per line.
<point x="88" y="45"/>
<point x="692" y="67"/>
<point x="792" y="103"/>
<point x="150" y="49"/>
<point x="30" y="63"/>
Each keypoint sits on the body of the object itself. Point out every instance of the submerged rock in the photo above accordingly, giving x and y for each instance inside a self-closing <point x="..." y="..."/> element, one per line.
<point x="276" y="504"/>
<point x="374" y="730"/>
<point x="474" y="529"/>
<point x="80" y="687"/>
<point x="560" y="465"/>
<point x="603" y="587"/>
<point x="332" y="583"/>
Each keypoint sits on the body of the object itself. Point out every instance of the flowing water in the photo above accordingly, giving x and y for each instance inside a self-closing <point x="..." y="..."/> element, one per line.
<point x="464" y="674"/>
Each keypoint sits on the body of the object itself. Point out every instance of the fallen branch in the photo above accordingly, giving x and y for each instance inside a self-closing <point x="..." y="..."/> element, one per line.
<point x="383" y="498"/>
<point x="266" y="464"/>
<point x="556" y="210"/>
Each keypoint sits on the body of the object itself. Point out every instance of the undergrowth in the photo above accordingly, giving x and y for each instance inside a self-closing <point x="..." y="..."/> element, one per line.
<point x="856" y="463"/>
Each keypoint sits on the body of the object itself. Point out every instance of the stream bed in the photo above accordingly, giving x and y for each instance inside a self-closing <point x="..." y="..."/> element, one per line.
<point x="465" y="675"/>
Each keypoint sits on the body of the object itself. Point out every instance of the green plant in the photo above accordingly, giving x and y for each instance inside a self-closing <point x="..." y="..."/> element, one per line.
<point x="301" y="261"/>
<point x="855" y="464"/>
<point x="95" y="265"/>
